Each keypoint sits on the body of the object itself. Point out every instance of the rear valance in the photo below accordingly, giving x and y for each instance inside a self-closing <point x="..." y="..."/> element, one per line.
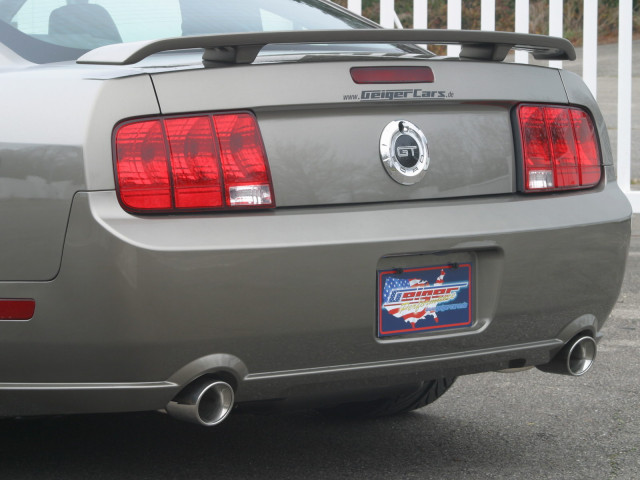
<point x="244" y="47"/>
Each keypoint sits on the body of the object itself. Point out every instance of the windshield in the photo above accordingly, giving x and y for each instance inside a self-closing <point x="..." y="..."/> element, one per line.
<point x="54" y="30"/>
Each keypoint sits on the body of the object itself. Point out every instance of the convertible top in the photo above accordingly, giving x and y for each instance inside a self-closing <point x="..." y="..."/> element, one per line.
<point x="244" y="47"/>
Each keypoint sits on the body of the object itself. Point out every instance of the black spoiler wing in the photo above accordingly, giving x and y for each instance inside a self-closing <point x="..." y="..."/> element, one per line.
<point x="244" y="47"/>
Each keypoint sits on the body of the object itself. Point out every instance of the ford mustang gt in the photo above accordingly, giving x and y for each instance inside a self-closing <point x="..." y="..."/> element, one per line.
<point x="264" y="204"/>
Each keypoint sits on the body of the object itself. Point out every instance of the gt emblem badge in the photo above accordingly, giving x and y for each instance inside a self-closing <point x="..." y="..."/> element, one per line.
<point x="404" y="152"/>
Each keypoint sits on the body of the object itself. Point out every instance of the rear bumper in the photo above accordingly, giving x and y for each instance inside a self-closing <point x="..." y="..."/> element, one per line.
<point x="285" y="301"/>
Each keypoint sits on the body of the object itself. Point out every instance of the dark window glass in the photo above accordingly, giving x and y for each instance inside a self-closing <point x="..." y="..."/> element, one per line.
<point x="56" y="30"/>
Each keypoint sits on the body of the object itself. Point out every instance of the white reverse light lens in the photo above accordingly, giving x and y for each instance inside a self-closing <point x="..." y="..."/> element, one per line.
<point x="250" y="195"/>
<point x="540" y="179"/>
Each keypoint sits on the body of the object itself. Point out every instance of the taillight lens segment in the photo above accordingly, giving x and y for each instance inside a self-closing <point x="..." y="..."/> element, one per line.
<point x="559" y="148"/>
<point x="246" y="175"/>
<point x="142" y="164"/>
<point x="192" y="163"/>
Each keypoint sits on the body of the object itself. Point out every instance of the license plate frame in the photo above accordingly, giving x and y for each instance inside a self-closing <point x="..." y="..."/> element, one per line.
<point x="422" y="299"/>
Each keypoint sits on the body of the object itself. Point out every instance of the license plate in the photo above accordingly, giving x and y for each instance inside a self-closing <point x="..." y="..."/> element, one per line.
<point x="416" y="300"/>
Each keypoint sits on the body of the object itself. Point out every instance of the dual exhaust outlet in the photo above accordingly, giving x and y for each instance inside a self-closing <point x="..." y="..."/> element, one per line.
<point x="208" y="401"/>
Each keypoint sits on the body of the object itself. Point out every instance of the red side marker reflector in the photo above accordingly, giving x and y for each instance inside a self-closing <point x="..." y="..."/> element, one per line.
<point x="363" y="75"/>
<point x="22" y="309"/>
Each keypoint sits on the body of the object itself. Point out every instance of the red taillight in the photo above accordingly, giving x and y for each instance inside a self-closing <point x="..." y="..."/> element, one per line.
<point x="17" y="309"/>
<point x="363" y="75"/>
<point x="559" y="148"/>
<point x="192" y="163"/>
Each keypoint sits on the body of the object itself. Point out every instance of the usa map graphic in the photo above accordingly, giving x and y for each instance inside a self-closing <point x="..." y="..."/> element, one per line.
<point x="424" y="298"/>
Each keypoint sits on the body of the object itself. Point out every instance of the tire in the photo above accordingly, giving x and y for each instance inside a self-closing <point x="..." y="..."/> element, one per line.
<point x="404" y="401"/>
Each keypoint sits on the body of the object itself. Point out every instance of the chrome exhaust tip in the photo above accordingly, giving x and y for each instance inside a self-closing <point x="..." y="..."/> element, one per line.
<point x="205" y="401"/>
<point x="576" y="357"/>
<point x="581" y="356"/>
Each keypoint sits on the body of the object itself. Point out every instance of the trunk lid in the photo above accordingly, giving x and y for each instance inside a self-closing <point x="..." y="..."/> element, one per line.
<point x="322" y="132"/>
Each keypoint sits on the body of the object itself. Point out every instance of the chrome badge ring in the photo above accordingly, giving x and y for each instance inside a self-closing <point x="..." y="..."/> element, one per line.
<point x="404" y="152"/>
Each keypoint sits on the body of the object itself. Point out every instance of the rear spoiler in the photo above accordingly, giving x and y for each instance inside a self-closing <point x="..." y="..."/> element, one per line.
<point x="244" y="47"/>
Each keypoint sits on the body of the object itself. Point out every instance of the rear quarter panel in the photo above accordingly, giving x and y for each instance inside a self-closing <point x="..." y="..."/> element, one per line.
<point x="54" y="132"/>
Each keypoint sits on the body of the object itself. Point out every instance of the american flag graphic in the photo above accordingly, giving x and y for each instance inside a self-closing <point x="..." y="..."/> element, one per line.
<point x="415" y="299"/>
